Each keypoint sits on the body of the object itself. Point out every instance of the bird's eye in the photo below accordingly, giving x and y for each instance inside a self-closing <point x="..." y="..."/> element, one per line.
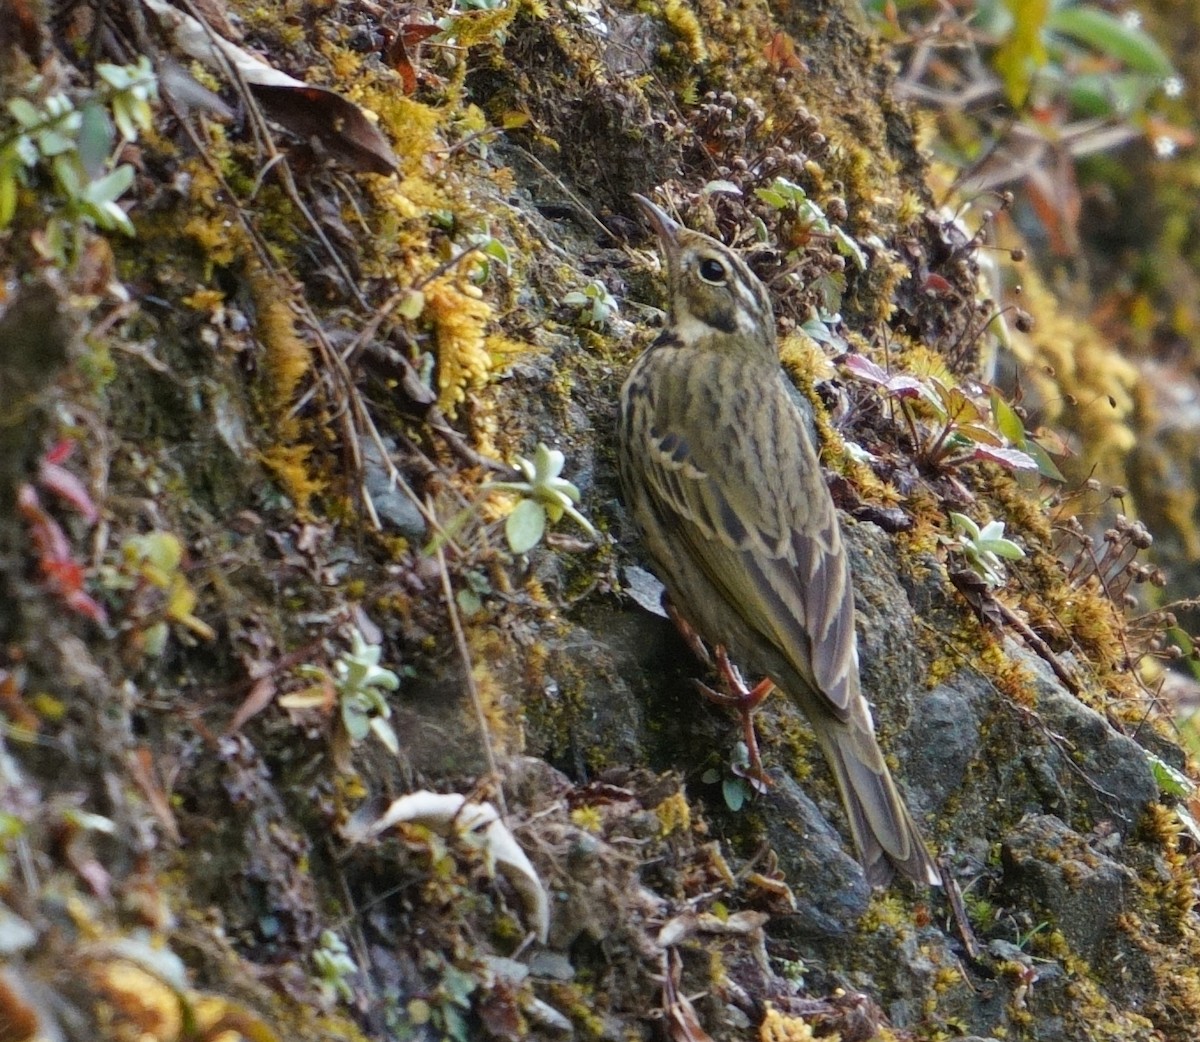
<point x="712" y="270"/>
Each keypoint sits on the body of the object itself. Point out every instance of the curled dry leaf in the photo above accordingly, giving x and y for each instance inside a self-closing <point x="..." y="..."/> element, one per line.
<point x="446" y="812"/>
<point x="307" y="111"/>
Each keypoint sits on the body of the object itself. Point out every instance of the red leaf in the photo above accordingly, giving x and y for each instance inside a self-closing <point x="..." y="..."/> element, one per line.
<point x="67" y="487"/>
<point x="865" y="369"/>
<point x="396" y="55"/>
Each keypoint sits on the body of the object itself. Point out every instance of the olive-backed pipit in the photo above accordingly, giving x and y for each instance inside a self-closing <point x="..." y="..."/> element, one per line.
<point x="723" y="482"/>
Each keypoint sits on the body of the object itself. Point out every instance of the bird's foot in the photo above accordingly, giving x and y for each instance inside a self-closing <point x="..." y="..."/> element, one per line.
<point x="746" y="702"/>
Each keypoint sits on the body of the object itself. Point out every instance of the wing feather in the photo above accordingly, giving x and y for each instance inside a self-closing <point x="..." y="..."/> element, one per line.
<point x="772" y="547"/>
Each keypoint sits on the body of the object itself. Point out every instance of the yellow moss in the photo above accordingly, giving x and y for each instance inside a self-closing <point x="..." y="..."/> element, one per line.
<point x="205" y="300"/>
<point x="802" y="356"/>
<point x="286" y="357"/>
<point x="411" y="128"/>
<point x="474" y="27"/>
<point x="684" y="23"/>
<point x="213" y="236"/>
<point x="674" y="815"/>
<point x="1080" y="381"/>
<point x="459" y="316"/>
<point x="289" y="465"/>
<point x="778" y="1027"/>
<point x="587" y="818"/>
<point x="489" y="648"/>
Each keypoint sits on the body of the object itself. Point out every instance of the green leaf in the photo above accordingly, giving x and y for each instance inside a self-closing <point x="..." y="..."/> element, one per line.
<point x="495" y="249"/>
<point x="525" y="526"/>
<point x="1111" y="36"/>
<point x="52" y="143"/>
<point x="384" y="732"/>
<point x="1045" y="465"/>
<point x="1024" y="52"/>
<point x="69" y="176"/>
<point x="116" y="76"/>
<point x="847" y="247"/>
<point x="772" y="198"/>
<point x="1170" y="781"/>
<point x="1111" y="93"/>
<point x="24" y="112"/>
<point x="468" y="602"/>
<point x="734" y="791"/>
<point x="355" y="720"/>
<point x="412" y="303"/>
<point x="111" y="217"/>
<point x="111" y="187"/>
<point x="1007" y="421"/>
<point x="8" y="196"/>
<point x="1005" y="548"/>
<point x="96" y="139"/>
<point x="123" y="115"/>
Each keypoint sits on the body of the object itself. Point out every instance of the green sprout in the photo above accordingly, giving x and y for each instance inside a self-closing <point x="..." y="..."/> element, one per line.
<point x="786" y="196"/>
<point x="594" y="303"/>
<point x="75" y="141"/>
<point x="547" y="496"/>
<point x="984" y="547"/>
<point x="334" y="966"/>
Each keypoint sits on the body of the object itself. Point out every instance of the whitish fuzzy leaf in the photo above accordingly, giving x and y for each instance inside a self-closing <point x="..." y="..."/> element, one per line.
<point x="525" y="526"/>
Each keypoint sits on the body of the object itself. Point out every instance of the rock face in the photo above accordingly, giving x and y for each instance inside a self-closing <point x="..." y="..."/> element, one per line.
<point x="233" y="630"/>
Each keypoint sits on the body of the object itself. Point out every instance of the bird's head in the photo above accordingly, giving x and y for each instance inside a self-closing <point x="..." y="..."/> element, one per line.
<point x="714" y="296"/>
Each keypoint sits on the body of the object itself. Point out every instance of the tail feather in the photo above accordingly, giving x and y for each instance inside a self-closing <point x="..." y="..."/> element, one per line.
<point x="884" y="832"/>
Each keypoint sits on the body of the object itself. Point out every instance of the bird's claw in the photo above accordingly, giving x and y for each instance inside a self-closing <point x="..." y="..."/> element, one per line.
<point x="746" y="702"/>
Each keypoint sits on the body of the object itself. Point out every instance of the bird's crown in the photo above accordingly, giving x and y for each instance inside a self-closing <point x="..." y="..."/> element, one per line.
<point x="714" y="295"/>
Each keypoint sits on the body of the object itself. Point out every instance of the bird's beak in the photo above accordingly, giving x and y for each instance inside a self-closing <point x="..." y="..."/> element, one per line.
<point x="664" y="226"/>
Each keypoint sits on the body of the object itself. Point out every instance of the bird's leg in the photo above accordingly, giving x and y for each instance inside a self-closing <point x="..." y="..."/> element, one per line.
<point x="735" y="696"/>
<point x="690" y="637"/>
<point x="746" y="701"/>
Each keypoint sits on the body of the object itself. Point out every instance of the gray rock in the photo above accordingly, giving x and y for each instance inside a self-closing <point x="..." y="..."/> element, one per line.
<point x="828" y="884"/>
<point x="1054" y="868"/>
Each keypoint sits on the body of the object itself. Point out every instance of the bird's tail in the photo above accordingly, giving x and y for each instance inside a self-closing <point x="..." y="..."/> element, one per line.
<point x="884" y="832"/>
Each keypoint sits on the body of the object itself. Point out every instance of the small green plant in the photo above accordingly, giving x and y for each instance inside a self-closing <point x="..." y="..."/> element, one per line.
<point x="75" y="141"/>
<point x="448" y="1008"/>
<point x="740" y="784"/>
<point x="984" y="547"/>
<point x="594" y="304"/>
<point x="334" y="966"/>
<point x="358" y="683"/>
<point x="488" y="251"/>
<point x="783" y="194"/>
<point x="548" y="496"/>
<point x="791" y="200"/>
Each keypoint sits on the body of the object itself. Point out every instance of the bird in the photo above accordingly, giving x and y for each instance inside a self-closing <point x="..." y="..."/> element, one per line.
<point x="722" y="480"/>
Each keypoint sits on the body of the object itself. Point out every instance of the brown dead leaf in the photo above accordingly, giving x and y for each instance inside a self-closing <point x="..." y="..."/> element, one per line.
<point x="141" y="769"/>
<point x="683" y="1023"/>
<point x="781" y="53"/>
<point x="13" y="706"/>
<point x="404" y="43"/>
<point x="339" y="125"/>
<point x="262" y="693"/>
<point x="307" y="111"/>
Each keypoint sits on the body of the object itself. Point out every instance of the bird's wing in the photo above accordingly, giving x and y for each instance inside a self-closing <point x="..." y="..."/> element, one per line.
<point x="736" y="503"/>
